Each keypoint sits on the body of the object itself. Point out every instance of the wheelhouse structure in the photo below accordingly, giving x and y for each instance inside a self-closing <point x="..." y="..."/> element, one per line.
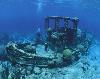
<point x="65" y="33"/>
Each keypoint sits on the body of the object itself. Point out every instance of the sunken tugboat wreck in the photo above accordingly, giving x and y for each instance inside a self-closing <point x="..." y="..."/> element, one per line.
<point x="61" y="46"/>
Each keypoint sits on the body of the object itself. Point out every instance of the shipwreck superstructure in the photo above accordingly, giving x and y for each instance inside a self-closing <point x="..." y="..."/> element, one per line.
<point x="62" y="45"/>
<point x="62" y="34"/>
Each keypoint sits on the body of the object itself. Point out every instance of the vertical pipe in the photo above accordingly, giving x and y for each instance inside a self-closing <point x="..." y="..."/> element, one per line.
<point x="57" y="21"/>
<point x="75" y="23"/>
<point x="66" y="22"/>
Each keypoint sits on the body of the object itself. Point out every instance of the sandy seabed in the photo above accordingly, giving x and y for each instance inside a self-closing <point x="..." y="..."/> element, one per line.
<point x="87" y="67"/>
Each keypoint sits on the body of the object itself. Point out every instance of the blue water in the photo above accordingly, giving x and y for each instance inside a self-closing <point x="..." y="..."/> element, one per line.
<point x="25" y="16"/>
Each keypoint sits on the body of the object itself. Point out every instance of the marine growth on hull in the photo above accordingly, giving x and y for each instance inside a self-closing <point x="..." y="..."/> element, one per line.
<point x="62" y="45"/>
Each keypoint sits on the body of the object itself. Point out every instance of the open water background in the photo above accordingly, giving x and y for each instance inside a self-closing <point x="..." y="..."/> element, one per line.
<point x="25" y="16"/>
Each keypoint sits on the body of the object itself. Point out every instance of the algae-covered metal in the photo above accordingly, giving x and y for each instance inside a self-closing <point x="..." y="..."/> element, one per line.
<point x="62" y="45"/>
